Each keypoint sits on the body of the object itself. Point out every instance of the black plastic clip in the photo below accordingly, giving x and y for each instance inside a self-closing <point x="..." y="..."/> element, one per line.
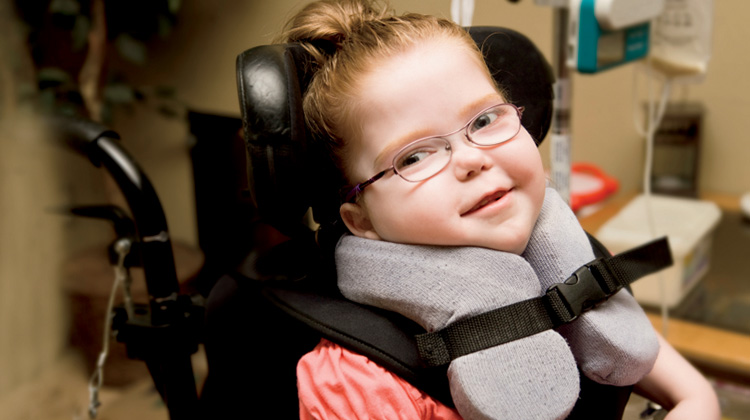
<point x="581" y="291"/>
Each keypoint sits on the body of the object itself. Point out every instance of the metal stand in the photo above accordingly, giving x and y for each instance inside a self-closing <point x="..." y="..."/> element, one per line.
<point x="167" y="331"/>
<point x="560" y="139"/>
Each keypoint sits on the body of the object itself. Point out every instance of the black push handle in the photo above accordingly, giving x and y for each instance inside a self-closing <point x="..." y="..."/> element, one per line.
<point x="80" y="135"/>
<point x="101" y="145"/>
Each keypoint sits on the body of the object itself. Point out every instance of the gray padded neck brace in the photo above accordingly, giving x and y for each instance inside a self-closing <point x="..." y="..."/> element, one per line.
<point x="435" y="286"/>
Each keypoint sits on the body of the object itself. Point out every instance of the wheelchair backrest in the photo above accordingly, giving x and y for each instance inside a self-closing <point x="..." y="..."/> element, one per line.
<point x="289" y="174"/>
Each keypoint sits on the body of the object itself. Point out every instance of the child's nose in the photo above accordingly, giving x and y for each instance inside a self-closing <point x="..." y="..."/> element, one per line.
<point x="469" y="160"/>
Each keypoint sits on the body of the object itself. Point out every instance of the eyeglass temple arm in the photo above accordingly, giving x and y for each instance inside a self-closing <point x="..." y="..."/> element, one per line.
<point x="362" y="185"/>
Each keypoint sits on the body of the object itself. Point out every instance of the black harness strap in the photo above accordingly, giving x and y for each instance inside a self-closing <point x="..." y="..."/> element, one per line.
<point x="563" y="302"/>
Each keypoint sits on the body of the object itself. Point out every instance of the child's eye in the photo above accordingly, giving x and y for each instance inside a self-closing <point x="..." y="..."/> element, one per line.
<point x="484" y="120"/>
<point x="413" y="157"/>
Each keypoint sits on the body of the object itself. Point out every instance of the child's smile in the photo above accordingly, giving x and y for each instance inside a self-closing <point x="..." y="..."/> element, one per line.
<point x="492" y="200"/>
<point x="487" y="196"/>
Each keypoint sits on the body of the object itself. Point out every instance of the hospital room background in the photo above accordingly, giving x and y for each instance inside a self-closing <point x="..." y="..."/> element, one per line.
<point x="50" y="260"/>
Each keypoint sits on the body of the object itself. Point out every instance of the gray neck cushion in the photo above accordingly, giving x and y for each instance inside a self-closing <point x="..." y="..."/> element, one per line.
<point x="533" y="377"/>
<point x="614" y="344"/>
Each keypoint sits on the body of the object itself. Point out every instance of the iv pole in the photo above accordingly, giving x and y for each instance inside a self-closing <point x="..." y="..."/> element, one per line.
<point x="560" y="139"/>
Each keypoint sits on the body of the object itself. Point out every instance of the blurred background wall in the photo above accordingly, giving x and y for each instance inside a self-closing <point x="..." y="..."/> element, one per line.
<point x="197" y="60"/>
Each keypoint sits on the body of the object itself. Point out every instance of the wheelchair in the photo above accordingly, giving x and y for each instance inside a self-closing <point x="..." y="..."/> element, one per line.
<point x="259" y="319"/>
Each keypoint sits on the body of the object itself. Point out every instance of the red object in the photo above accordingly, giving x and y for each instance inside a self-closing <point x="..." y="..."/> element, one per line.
<point x="589" y="185"/>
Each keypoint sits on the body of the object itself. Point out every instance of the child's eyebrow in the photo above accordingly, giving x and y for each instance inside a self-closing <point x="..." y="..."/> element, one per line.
<point x="466" y="112"/>
<point x="397" y="144"/>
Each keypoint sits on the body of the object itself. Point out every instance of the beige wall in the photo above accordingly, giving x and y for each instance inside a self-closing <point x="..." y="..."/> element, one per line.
<point x="36" y="239"/>
<point x="198" y="59"/>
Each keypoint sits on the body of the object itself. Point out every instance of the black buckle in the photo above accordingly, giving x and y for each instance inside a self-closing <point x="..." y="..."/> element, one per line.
<point x="581" y="291"/>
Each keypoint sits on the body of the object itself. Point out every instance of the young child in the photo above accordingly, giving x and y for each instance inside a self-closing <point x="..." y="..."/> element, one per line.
<point x="445" y="226"/>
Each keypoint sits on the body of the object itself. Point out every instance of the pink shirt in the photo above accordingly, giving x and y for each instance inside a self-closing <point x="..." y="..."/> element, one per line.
<point x="335" y="383"/>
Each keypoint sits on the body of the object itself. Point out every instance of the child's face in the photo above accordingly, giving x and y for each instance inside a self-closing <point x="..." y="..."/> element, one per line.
<point x="430" y="90"/>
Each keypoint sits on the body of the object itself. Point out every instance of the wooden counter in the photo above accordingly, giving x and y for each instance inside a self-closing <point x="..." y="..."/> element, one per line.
<point x="723" y="352"/>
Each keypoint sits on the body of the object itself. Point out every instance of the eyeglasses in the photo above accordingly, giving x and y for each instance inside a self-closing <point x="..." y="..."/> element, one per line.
<point x="425" y="158"/>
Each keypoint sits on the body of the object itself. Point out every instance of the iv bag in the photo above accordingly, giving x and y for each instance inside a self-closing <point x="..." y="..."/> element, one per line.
<point x="681" y="39"/>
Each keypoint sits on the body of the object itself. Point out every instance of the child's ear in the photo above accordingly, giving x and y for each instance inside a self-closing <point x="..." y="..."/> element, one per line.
<point x="357" y="219"/>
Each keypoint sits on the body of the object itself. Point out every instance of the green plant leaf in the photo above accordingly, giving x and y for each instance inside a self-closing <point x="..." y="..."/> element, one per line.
<point x="65" y="7"/>
<point x="174" y="6"/>
<point x="165" y="92"/>
<point x="165" y="26"/>
<point x="26" y="91"/>
<point x="52" y="74"/>
<point x="168" y="111"/>
<point x="80" y="33"/>
<point x="131" y="49"/>
<point x="119" y="93"/>
<point x="106" y="114"/>
<point x="47" y="99"/>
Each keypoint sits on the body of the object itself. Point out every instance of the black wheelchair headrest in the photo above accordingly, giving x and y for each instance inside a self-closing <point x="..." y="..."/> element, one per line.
<point x="289" y="174"/>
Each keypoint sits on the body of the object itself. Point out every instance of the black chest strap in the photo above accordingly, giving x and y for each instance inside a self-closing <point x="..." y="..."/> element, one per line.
<point x="563" y="302"/>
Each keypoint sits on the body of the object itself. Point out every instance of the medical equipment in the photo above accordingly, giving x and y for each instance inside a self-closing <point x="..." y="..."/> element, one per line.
<point x="590" y="36"/>
<point x="677" y="148"/>
<point x="607" y="33"/>
<point x="681" y="39"/>
<point x="690" y="226"/>
<point x="670" y="73"/>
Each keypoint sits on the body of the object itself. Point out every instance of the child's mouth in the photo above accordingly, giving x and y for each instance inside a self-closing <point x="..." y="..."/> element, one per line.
<point x="491" y="198"/>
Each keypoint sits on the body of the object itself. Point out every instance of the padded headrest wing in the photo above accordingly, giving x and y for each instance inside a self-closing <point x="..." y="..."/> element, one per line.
<point x="521" y="70"/>
<point x="288" y="174"/>
<point x="271" y="79"/>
